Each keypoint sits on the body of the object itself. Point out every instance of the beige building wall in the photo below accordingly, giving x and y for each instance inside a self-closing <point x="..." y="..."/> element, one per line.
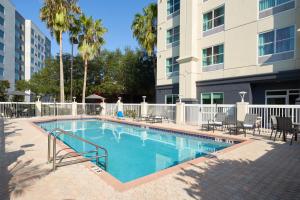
<point x="240" y="37"/>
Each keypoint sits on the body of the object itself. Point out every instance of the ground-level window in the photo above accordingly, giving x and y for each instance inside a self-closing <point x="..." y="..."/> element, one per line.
<point x="282" y="97"/>
<point x="277" y="41"/>
<point x="212" y="98"/>
<point x="171" y="98"/>
<point x="213" y="55"/>
<point x="1" y="72"/>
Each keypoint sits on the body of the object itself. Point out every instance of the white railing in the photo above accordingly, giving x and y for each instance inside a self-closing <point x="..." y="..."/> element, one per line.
<point x="17" y="109"/>
<point x="167" y="111"/>
<point x="266" y="111"/>
<point x="89" y="108"/>
<point x="111" y="109"/>
<point x="56" y="109"/>
<point x="197" y="114"/>
<point x="132" y="109"/>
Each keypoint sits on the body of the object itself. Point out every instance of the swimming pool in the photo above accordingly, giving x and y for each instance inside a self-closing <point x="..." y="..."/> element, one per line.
<point x="135" y="151"/>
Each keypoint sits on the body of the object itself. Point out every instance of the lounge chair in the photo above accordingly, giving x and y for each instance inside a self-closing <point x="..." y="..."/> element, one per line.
<point x="249" y="123"/>
<point x="285" y="126"/>
<point x="219" y="120"/>
<point x="274" y="126"/>
<point x="155" y="119"/>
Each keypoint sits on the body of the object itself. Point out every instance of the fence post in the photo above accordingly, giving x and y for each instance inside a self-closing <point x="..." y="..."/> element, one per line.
<point x="242" y="108"/>
<point x="119" y="105"/>
<point x="103" y="108"/>
<point x="180" y="113"/>
<point x="144" y="107"/>
<point x="38" y="108"/>
<point x="74" y="108"/>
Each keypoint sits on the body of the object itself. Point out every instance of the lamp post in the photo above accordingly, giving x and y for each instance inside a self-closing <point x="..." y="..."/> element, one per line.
<point x="144" y="99"/>
<point x="74" y="99"/>
<point x="242" y="95"/>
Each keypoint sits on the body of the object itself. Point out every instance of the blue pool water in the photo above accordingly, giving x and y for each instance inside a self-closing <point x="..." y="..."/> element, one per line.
<point x="133" y="151"/>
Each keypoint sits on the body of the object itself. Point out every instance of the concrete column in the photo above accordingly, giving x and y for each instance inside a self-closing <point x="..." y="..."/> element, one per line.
<point x="38" y="108"/>
<point x="180" y="113"/>
<point x="242" y="108"/>
<point x="103" y="110"/>
<point x="74" y="108"/>
<point x="144" y="109"/>
<point x="188" y="60"/>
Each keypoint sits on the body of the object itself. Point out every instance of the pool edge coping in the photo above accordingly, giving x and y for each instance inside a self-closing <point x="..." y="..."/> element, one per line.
<point x="122" y="187"/>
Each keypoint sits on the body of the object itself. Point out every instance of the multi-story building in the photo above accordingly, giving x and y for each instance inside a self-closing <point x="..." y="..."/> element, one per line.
<point x="14" y="45"/>
<point x="210" y="50"/>
<point x="37" y="49"/>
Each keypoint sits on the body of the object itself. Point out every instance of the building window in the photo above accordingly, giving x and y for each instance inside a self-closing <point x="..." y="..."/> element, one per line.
<point x="266" y="4"/>
<point x="171" y="98"/>
<point x="1" y="34"/>
<point x="1" y="72"/>
<point x="1" y="46"/>
<point x="1" y="21"/>
<point x="212" y="98"/>
<point x="213" y="55"/>
<point x="172" y="66"/>
<point x="281" y="97"/>
<point x="173" y="35"/>
<point x="173" y="6"/>
<point x="213" y="19"/>
<point x="277" y="41"/>
<point x="1" y="8"/>
<point x="1" y="59"/>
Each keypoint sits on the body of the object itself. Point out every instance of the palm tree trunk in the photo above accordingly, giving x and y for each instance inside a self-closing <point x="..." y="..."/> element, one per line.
<point x="61" y="70"/>
<point x="84" y="80"/>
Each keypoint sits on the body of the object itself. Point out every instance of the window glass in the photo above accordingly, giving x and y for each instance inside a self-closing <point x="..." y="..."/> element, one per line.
<point x="173" y="35"/>
<point x="206" y="98"/>
<point x="266" y="4"/>
<point x="213" y="55"/>
<point x="173" y="6"/>
<point x="172" y="65"/>
<point x="1" y="46"/>
<point x="1" y="33"/>
<point x="1" y="21"/>
<point x="1" y="8"/>
<point x="1" y="59"/>
<point x="171" y="98"/>
<point x="1" y="71"/>
<point x="277" y="41"/>
<point x="213" y="18"/>
<point x="218" y="98"/>
<point x="285" y="39"/>
<point x="212" y="98"/>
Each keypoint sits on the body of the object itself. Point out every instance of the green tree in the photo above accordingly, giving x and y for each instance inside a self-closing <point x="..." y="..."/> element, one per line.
<point x="58" y="16"/>
<point x="144" y="29"/>
<point x="90" y="42"/>
<point x="4" y="85"/>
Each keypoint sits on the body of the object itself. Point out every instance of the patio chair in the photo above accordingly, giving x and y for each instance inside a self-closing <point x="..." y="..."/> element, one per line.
<point x="249" y="123"/>
<point x="285" y="126"/>
<point x="273" y="126"/>
<point x="219" y="120"/>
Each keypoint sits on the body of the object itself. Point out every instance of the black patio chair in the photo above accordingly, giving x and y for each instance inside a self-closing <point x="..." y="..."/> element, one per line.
<point x="249" y="123"/>
<point x="285" y="126"/>
<point x="273" y="126"/>
<point x="219" y="120"/>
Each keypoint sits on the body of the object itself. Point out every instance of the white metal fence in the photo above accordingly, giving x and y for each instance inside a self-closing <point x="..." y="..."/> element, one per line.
<point x="131" y="110"/>
<point x="197" y="114"/>
<point x="17" y="109"/>
<point x="56" y="109"/>
<point x="266" y="111"/>
<point x="167" y="111"/>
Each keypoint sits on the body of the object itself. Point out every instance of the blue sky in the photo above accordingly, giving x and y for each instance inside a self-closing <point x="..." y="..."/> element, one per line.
<point x="117" y="16"/>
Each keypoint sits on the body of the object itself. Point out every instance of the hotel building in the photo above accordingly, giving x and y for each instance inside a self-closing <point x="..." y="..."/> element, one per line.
<point x="210" y="50"/>
<point x="23" y="47"/>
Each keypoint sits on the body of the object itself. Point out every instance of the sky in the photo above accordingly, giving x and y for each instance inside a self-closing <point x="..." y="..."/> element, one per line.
<point x="116" y="15"/>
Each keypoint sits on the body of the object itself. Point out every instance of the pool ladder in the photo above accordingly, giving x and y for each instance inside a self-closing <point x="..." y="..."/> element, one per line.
<point x="57" y="159"/>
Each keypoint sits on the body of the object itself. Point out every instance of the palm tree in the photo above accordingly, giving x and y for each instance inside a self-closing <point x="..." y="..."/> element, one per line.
<point x="73" y="37"/>
<point x="144" y="29"/>
<point x="90" y="42"/>
<point x="58" y="16"/>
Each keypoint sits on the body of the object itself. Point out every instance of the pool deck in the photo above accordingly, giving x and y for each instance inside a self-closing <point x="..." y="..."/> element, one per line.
<point x="258" y="169"/>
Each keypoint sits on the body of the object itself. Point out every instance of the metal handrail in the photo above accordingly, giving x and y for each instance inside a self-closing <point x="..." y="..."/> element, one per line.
<point x="67" y="155"/>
